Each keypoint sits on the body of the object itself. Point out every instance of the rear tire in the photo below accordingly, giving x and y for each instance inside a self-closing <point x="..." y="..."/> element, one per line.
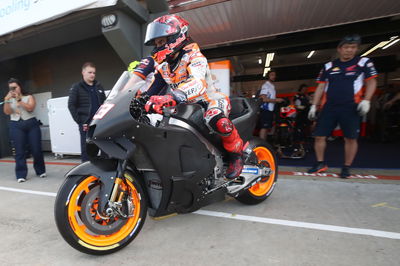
<point x="261" y="191"/>
<point x="81" y="226"/>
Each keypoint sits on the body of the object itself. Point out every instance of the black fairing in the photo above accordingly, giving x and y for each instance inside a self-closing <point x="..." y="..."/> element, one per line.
<point x="176" y="154"/>
<point x="244" y="115"/>
<point x="181" y="160"/>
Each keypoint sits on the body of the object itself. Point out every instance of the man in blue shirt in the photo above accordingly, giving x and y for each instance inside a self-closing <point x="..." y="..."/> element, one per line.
<point x="340" y="87"/>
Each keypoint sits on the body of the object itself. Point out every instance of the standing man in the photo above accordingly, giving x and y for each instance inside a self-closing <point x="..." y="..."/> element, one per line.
<point x="268" y="96"/>
<point x="341" y="80"/>
<point x="302" y="103"/>
<point x="85" y="97"/>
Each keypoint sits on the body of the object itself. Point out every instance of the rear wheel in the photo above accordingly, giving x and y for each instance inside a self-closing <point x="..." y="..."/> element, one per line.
<point x="260" y="191"/>
<point x="81" y="225"/>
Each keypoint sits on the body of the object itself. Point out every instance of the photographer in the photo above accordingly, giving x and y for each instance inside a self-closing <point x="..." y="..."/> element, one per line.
<point x="24" y="129"/>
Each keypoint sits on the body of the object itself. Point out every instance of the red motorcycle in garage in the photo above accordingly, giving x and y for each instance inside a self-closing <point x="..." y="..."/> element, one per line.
<point x="157" y="165"/>
<point x="286" y="139"/>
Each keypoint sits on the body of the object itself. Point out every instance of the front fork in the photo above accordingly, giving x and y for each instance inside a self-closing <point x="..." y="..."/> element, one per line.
<point x="111" y="195"/>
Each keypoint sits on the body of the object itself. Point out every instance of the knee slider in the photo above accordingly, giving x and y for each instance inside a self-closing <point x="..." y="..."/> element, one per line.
<point x="217" y="122"/>
<point x="224" y="126"/>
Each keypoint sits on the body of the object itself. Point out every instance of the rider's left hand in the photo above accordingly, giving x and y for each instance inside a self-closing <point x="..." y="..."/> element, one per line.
<point x="157" y="103"/>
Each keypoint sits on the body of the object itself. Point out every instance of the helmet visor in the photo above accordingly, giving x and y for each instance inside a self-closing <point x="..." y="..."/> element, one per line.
<point x="157" y="30"/>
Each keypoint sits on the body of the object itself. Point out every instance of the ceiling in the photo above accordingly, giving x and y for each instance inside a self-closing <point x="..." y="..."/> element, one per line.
<point x="245" y="30"/>
<point x="242" y="20"/>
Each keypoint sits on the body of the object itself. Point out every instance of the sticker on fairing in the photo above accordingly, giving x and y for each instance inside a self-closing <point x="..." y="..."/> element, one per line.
<point x="103" y="110"/>
<point x="250" y="170"/>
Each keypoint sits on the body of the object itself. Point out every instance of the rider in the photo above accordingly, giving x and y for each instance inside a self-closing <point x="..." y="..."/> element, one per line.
<point x="181" y="74"/>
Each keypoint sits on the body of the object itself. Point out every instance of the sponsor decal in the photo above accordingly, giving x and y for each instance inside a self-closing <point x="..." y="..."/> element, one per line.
<point x="250" y="171"/>
<point x="103" y="110"/>
<point x="350" y="73"/>
<point x="196" y="64"/>
<point x="211" y="113"/>
<point x="336" y="69"/>
<point x="221" y="103"/>
<point x="351" y="68"/>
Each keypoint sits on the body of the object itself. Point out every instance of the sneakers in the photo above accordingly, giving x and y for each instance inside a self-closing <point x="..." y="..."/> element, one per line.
<point x="345" y="173"/>
<point x="20" y="180"/>
<point x="235" y="166"/>
<point x="318" y="168"/>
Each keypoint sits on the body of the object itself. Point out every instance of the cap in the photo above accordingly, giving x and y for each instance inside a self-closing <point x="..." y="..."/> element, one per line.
<point x="350" y="39"/>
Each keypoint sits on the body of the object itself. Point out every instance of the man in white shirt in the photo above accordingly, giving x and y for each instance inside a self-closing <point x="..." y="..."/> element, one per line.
<point x="268" y="96"/>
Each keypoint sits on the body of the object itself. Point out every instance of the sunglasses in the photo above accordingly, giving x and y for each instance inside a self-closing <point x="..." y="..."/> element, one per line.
<point x="351" y="39"/>
<point x="13" y="88"/>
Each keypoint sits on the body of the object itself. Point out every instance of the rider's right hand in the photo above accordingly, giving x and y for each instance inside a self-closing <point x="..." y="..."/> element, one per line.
<point x="157" y="103"/>
<point x="312" y="114"/>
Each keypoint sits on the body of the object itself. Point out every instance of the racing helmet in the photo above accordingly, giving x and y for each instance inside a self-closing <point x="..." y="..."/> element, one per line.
<point x="171" y="26"/>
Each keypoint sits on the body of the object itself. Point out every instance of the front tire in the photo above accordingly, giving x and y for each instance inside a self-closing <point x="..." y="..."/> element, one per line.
<point x="261" y="191"/>
<point x="81" y="225"/>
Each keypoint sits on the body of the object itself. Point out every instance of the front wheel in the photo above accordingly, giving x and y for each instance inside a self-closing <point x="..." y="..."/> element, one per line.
<point x="81" y="225"/>
<point x="261" y="191"/>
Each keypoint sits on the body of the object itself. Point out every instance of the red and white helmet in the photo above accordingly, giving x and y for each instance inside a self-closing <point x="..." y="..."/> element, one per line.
<point x="171" y="26"/>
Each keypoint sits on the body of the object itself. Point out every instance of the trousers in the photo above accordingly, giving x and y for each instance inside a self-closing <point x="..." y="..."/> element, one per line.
<point x="23" y="133"/>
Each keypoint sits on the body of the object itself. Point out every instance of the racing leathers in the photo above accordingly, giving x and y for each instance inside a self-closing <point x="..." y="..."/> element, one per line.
<point x="188" y="79"/>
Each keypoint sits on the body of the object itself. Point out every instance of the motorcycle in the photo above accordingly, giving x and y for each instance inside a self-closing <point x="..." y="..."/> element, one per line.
<point x="287" y="133"/>
<point x="157" y="164"/>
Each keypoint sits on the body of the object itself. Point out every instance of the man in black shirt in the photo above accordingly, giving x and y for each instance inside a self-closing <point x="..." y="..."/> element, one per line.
<point x="85" y="97"/>
<point x="302" y="103"/>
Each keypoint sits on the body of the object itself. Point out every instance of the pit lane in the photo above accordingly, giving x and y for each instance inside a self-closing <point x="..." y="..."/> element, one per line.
<point x="308" y="220"/>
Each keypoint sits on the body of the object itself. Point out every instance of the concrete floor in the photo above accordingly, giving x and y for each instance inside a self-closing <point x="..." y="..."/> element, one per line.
<point x="29" y="235"/>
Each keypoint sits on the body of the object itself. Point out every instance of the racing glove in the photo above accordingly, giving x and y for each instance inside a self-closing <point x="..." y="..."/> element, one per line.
<point x="157" y="103"/>
<point x="312" y="114"/>
<point x="363" y="107"/>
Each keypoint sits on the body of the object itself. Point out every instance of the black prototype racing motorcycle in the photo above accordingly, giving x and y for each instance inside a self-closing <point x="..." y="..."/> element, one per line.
<point x="156" y="164"/>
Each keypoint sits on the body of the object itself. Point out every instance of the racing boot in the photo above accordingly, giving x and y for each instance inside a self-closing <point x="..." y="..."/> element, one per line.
<point x="235" y="166"/>
<point x="233" y="144"/>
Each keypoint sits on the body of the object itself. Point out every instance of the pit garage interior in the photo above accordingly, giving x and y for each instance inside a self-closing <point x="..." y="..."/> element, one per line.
<point x="48" y="56"/>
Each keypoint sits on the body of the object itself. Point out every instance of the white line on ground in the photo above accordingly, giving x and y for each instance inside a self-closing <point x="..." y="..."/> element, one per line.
<point x="51" y="194"/>
<point x="323" y="227"/>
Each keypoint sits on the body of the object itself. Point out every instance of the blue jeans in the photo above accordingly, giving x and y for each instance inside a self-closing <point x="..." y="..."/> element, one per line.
<point x="25" y="132"/>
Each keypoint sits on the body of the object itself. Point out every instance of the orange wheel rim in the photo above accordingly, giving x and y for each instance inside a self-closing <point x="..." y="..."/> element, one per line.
<point x="80" y="229"/>
<point x="261" y="188"/>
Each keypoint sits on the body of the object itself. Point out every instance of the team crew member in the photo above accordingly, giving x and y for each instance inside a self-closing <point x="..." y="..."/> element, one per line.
<point x="341" y="81"/>
<point x="181" y="74"/>
<point x="268" y="97"/>
<point x="302" y="103"/>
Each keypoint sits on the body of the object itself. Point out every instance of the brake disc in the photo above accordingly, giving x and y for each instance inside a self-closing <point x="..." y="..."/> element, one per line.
<point x="98" y="225"/>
